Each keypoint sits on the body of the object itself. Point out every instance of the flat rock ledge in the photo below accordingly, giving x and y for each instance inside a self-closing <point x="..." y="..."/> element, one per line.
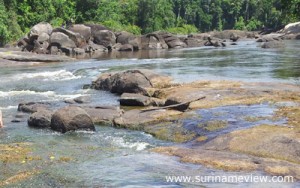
<point x="31" y="57"/>
<point x="272" y="149"/>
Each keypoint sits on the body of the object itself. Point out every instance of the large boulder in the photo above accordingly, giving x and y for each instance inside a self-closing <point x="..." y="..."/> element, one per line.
<point x="43" y="38"/>
<point x="77" y="38"/>
<point x="153" y="41"/>
<point x="104" y="37"/>
<point x="124" y="37"/>
<point x="234" y="37"/>
<point x="92" y="47"/>
<point x="129" y="38"/>
<point x="215" y="42"/>
<point x="273" y="44"/>
<point x="292" y="28"/>
<point x="83" y="30"/>
<point x="71" y="118"/>
<point x="131" y="81"/>
<point x="171" y="40"/>
<point x="40" y="119"/>
<point x="95" y="28"/>
<point x="195" y="40"/>
<point x="61" y="40"/>
<point x="126" y="47"/>
<point x="40" y="28"/>
<point x="270" y="37"/>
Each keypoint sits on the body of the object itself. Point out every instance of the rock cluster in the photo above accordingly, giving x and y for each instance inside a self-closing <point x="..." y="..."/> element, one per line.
<point x="89" y="40"/>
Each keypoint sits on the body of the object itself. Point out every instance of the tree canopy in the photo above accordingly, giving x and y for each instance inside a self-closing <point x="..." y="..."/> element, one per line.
<point x="143" y="16"/>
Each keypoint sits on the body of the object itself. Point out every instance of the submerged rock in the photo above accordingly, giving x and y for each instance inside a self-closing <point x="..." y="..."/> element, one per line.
<point x="71" y="118"/>
<point x="40" y="119"/>
<point x="273" y="44"/>
<point x="103" y="114"/>
<point x="136" y="119"/>
<point x="32" y="107"/>
<point x="131" y="81"/>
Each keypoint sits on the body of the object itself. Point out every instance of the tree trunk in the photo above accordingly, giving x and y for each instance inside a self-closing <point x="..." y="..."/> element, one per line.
<point x="180" y="107"/>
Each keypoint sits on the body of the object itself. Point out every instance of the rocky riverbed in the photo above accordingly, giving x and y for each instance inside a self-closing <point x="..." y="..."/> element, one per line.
<point x="266" y="137"/>
<point x="214" y="107"/>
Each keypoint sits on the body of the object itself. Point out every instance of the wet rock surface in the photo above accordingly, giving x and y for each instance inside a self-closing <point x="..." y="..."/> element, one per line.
<point x="131" y="99"/>
<point x="272" y="149"/>
<point x="131" y="81"/>
<point x="273" y="44"/>
<point x="71" y="118"/>
<point x="30" y="57"/>
<point x="136" y="119"/>
<point x="40" y="119"/>
<point x="32" y="107"/>
<point x="103" y="114"/>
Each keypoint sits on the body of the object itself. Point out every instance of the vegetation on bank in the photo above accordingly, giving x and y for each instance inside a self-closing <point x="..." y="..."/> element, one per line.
<point x="143" y="16"/>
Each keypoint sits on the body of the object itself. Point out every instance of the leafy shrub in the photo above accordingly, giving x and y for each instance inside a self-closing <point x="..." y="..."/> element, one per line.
<point x="57" y="22"/>
<point x="253" y="25"/>
<point x="240" y="24"/>
<point x="133" y="29"/>
<point x="184" y="29"/>
<point x="117" y="26"/>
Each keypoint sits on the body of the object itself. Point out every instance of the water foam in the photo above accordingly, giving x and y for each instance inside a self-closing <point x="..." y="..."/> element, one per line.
<point x="49" y="94"/>
<point x="60" y="75"/>
<point x="119" y="141"/>
<point x="8" y="107"/>
<point x="25" y="92"/>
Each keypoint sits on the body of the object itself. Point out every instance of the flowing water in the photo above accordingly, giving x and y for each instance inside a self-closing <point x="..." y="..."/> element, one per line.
<point x="121" y="158"/>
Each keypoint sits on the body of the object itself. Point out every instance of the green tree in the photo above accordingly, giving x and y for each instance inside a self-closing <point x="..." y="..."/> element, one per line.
<point x="155" y="15"/>
<point x="291" y="10"/>
<point x="4" y="34"/>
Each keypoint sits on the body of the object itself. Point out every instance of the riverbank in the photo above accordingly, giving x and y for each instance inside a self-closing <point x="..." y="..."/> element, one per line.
<point x="93" y="41"/>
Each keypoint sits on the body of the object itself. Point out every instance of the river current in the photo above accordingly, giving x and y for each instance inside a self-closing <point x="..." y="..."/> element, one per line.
<point x="122" y="158"/>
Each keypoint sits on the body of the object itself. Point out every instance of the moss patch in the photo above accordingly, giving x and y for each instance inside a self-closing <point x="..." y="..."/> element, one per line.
<point x="254" y="118"/>
<point x="17" y="152"/>
<point x="201" y="138"/>
<point x="21" y="176"/>
<point x="292" y="114"/>
<point x="214" y="125"/>
<point x="170" y="131"/>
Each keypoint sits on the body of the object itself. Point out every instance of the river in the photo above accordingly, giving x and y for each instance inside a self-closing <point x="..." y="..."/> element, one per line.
<point x="116" y="157"/>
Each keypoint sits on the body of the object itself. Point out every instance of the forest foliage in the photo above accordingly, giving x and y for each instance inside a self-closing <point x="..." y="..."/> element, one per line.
<point x="144" y="16"/>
